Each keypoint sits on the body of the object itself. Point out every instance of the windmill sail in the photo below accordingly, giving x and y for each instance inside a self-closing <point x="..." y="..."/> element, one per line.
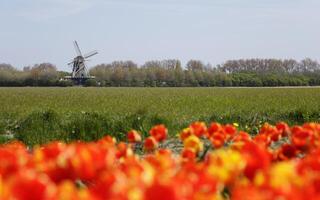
<point x="92" y="53"/>
<point x="76" y="46"/>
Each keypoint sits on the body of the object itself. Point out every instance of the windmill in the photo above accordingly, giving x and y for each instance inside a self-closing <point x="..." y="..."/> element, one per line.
<point x="80" y="71"/>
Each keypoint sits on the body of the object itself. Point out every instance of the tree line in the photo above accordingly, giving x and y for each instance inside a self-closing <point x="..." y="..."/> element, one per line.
<point x="171" y="73"/>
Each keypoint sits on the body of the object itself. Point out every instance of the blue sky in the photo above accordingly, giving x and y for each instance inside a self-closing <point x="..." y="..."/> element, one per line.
<point x="213" y="31"/>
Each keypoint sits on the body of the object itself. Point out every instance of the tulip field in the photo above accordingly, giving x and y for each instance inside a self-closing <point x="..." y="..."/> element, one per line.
<point x="40" y="115"/>
<point x="218" y="161"/>
<point x="159" y="143"/>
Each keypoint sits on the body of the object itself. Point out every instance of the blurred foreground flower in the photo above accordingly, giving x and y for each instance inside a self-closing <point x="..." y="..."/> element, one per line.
<point x="280" y="162"/>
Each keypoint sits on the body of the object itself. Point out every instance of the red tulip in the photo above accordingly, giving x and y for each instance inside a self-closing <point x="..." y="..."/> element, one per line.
<point x="133" y="136"/>
<point x="150" y="144"/>
<point x="159" y="132"/>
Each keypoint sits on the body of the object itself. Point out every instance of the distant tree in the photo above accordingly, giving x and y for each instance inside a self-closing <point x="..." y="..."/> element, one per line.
<point x="44" y="74"/>
<point x="90" y="83"/>
<point x="195" y="65"/>
<point x="308" y="65"/>
<point x="6" y="67"/>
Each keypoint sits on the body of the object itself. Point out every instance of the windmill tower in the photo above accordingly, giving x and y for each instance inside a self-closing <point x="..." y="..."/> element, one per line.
<point x="80" y="71"/>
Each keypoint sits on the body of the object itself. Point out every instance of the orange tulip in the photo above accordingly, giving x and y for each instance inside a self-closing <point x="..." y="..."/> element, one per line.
<point x="133" y="136"/>
<point x="159" y="132"/>
<point x="198" y="128"/>
<point x="150" y="144"/>
<point x="214" y="127"/>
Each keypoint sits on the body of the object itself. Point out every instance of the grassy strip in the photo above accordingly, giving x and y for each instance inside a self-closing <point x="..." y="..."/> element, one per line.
<point x="45" y="126"/>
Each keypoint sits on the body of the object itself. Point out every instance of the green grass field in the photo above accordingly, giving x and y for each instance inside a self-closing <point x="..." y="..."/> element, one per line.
<point x="36" y="115"/>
